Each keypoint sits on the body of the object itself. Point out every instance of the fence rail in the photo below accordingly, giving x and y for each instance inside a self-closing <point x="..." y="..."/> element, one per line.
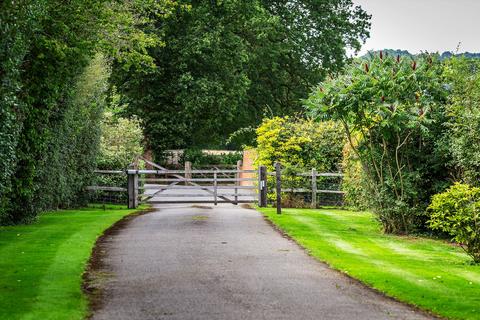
<point x="309" y="174"/>
<point x="106" y="188"/>
<point x="196" y="179"/>
<point x="110" y="171"/>
<point x="175" y="187"/>
<point x="303" y="190"/>
<point x="168" y="172"/>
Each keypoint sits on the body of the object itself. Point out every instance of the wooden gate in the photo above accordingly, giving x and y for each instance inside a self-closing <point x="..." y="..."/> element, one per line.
<point x="161" y="185"/>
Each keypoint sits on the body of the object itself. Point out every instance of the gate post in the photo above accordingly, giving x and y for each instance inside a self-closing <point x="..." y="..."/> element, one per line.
<point x="278" y="185"/>
<point x="215" y="186"/>
<point x="188" y="171"/>
<point x="314" y="188"/>
<point x="237" y="179"/>
<point x="262" y="186"/>
<point x="132" y="189"/>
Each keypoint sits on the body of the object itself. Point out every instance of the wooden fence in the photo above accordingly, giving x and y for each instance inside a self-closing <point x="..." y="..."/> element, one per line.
<point x="311" y="187"/>
<point x="215" y="185"/>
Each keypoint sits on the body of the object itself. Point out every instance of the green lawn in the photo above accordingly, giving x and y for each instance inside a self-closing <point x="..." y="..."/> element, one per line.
<point x="430" y="274"/>
<point x="41" y="264"/>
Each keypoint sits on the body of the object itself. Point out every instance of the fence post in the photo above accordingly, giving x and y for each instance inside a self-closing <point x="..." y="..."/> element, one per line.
<point x="314" y="188"/>
<point x="262" y="186"/>
<point x="132" y="189"/>
<point x="215" y="186"/>
<point x="188" y="171"/>
<point x="237" y="182"/>
<point x="278" y="184"/>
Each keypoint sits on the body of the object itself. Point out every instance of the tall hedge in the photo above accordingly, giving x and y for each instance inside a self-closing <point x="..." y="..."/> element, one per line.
<point x="48" y="128"/>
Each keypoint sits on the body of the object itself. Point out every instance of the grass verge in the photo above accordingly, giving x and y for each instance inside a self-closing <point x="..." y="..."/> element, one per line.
<point x="41" y="264"/>
<point x="430" y="274"/>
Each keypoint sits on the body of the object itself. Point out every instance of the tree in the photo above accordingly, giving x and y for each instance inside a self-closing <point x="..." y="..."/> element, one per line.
<point x="392" y="110"/>
<point x="226" y="64"/>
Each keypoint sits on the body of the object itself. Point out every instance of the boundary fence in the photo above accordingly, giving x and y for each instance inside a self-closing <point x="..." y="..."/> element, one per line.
<point x="216" y="185"/>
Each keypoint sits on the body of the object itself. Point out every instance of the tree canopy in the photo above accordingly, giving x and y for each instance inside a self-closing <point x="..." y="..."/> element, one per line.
<point x="226" y="64"/>
<point x="192" y="72"/>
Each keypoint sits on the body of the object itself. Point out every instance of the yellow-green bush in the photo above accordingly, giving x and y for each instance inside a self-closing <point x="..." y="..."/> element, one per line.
<point x="300" y="144"/>
<point x="354" y="183"/>
<point x="457" y="212"/>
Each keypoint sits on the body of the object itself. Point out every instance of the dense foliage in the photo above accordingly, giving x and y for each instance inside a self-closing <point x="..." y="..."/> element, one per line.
<point x="404" y="53"/>
<point x="200" y="158"/>
<point x="462" y="139"/>
<point x="225" y="64"/>
<point x="392" y="109"/>
<point x="457" y="212"/>
<point x="120" y="143"/>
<point x="300" y="144"/>
<point x="354" y="182"/>
<point x="44" y="48"/>
<point x="53" y="86"/>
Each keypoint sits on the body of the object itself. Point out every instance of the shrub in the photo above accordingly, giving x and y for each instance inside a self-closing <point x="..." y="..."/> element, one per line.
<point x="52" y="90"/>
<point x="462" y="138"/>
<point x="46" y="139"/>
<point x="354" y="182"/>
<point x="200" y="158"/>
<point x="300" y="144"/>
<point x="457" y="212"/>
<point x="120" y="143"/>
<point x="68" y="163"/>
<point x="392" y="110"/>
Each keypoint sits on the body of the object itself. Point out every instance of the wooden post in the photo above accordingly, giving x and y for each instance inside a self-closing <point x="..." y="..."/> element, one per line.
<point x="314" y="188"/>
<point x="188" y="171"/>
<point x="278" y="184"/>
<point x="215" y="186"/>
<point x="262" y="186"/>
<point x="237" y="182"/>
<point x="132" y="189"/>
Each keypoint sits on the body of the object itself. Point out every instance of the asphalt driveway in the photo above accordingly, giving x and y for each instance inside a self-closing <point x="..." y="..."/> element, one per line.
<point x="225" y="262"/>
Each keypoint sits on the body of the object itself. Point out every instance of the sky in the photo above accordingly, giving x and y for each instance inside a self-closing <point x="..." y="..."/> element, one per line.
<point x="423" y="25"/>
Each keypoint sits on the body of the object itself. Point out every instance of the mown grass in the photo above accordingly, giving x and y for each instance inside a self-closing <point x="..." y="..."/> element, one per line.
<point x="41" y="264"/>
<point x="431" y="274"/>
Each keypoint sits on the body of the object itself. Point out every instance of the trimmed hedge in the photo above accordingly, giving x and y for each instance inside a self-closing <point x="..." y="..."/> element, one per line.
<point x="49" y="115"/>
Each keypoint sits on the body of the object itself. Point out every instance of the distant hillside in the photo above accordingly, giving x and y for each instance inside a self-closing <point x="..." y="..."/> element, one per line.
<point x="403" y="53"/>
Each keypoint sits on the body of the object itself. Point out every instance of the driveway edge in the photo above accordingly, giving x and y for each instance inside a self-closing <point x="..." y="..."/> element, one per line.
<point x="349" y="277"/>
<point x="94" y="274"/>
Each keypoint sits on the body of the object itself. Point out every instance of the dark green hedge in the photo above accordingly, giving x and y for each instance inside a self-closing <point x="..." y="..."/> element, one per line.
<point x="49" y="123"/>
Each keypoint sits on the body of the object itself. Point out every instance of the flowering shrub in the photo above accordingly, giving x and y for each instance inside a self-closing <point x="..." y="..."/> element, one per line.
<point x="392" y="109"/>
